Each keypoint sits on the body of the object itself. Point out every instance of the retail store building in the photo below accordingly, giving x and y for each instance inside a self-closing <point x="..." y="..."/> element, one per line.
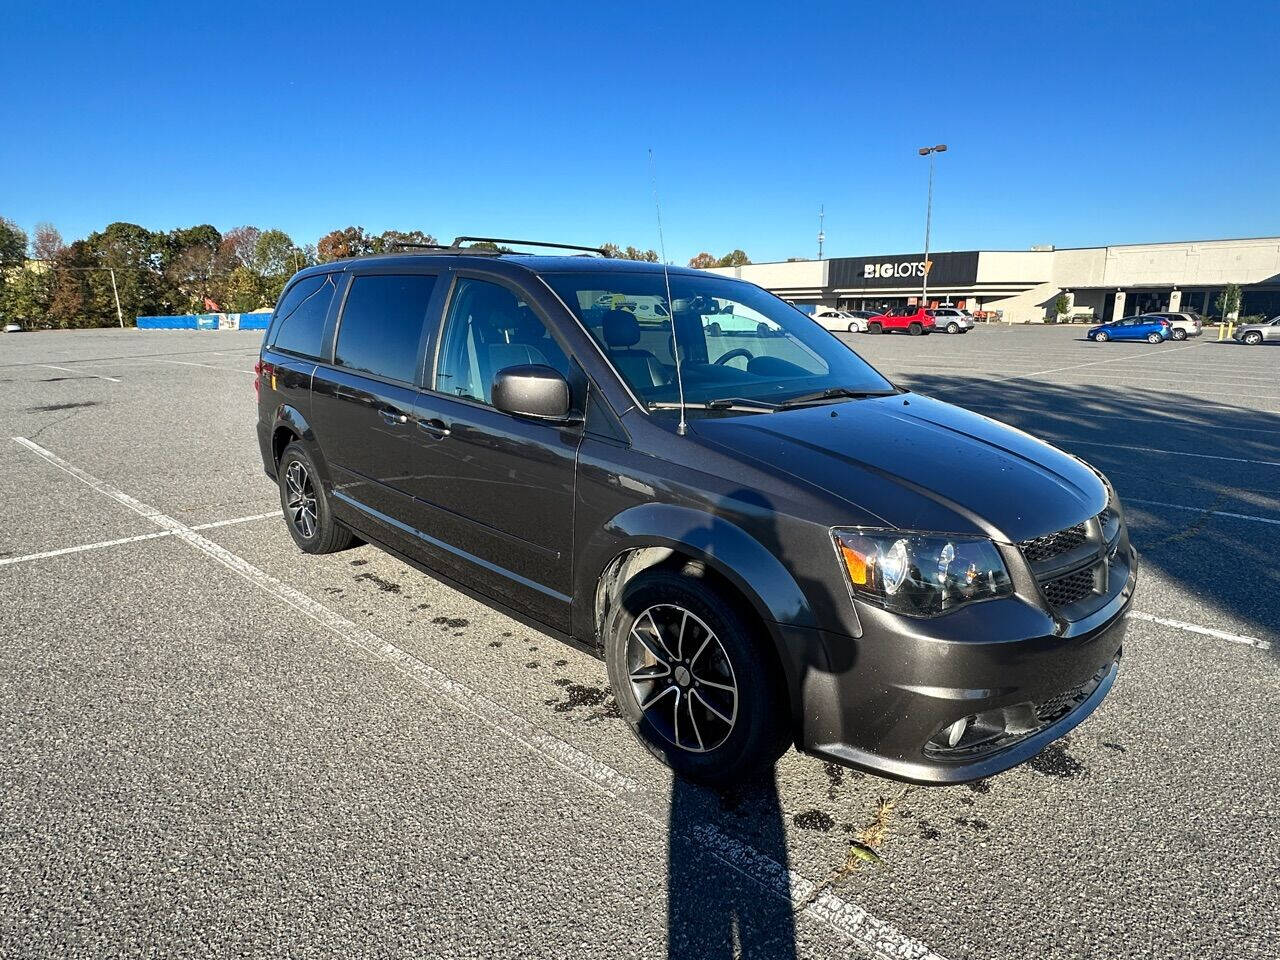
<point x="1022" y="286"/>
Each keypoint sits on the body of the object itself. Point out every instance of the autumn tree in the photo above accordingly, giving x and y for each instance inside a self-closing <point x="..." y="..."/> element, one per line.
<point x="702" y="261"/>
<point x="341" y="244"/>
<point x="46" y="243"/>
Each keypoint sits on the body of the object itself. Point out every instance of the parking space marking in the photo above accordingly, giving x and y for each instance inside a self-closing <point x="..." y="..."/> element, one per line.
<point x="1172" y="453"/>
<point x="1216" y="513"/>
<point x="189" y="363"/>
<point x="103" y="544"/>
<point x="881" y="939"/>
<point x="7" y="561"/>
<point x="69" y="370"/>
<point x="1205" y="631"/>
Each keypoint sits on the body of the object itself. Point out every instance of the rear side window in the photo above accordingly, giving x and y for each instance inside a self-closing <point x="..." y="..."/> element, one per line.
<point x="382" y="323"/>
<point x="300" y="316"/>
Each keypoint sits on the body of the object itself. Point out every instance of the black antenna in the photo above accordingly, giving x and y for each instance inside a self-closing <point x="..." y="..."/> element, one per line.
<point x="683" y="427"/>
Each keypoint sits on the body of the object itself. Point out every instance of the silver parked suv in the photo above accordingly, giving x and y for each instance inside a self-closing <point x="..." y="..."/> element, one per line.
<point x="1255" y="333"/>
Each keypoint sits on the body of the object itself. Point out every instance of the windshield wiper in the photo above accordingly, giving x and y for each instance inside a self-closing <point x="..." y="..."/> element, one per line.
<point x="832" y="393"/>
<point x="738" y="404"/>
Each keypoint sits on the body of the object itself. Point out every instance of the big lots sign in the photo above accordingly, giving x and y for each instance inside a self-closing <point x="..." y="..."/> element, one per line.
<point x="906" y="270"/>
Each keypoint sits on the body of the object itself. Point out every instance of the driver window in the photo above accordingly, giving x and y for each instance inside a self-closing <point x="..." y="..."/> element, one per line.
<point x="489" y="328"/>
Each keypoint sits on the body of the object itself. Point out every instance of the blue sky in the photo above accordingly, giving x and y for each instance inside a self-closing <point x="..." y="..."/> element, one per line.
<point x="1067" y="123"/>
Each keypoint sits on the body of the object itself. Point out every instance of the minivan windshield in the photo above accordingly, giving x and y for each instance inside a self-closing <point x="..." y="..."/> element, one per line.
<point x="738" y="344"/>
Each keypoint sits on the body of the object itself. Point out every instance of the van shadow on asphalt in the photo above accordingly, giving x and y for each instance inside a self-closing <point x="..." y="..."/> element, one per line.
<point x="1226" y="564"/>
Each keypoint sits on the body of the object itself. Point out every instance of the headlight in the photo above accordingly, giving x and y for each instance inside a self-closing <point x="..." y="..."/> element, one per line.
<point x="918" y="574"/>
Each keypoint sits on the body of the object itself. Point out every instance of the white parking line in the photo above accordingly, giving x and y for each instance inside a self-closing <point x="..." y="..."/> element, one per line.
<point x="1171" y="453"/>
<point x="1216" y="513"/>
<point x="6" y="561"/>
<point x="851" y="921"/>
<point x="69" y="370"/>
<point x="102" y="544"/>
<point x="1205" y="631"/>
<point x="189" y="363"/>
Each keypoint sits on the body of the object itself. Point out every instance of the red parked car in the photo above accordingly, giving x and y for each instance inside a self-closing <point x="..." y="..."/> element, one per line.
<point x="912" y="320"/>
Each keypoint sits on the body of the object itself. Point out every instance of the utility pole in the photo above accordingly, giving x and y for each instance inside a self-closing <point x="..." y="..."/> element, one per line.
<point x="821" y="236"/>
<point x="928" y="219"/>
<point x="116" y="293"/>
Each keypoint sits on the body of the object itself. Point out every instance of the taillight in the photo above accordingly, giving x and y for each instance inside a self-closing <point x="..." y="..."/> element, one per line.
<point x="257" y="376"/>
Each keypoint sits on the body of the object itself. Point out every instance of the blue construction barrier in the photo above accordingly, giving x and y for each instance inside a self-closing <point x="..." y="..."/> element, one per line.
<point x="207" y="321"/>
<point x="254" y="321"/>
<point x="188" y="322"/>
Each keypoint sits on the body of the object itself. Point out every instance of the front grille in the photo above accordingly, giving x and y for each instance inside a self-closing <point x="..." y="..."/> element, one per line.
<point x="1054" y="544"/>
<point x="1062" y="591"/>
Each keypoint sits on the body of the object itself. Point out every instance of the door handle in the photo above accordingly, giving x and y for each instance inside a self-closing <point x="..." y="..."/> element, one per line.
<point x="393" y="416"/>
<point x="435" y="427"/>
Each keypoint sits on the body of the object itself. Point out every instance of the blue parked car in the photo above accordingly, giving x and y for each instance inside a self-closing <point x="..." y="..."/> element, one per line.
<point x="1150" y="329"/>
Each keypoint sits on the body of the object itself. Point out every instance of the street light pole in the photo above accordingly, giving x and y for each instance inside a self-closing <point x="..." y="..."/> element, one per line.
<point x="928" y="221"/>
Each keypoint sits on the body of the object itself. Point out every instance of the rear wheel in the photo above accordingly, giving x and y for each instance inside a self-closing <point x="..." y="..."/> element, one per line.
<point x="305" y="505"/>
<point x="1252" y="338"/>
<point x="953" y="327"/>
<point x="915" y="329"/>
<point x="1179" y="334"/>
<point x="693" y="679"/>
<point x="874" y="328"/>
<point x="1101" y="336"/>
<point x="1154" y="338"/>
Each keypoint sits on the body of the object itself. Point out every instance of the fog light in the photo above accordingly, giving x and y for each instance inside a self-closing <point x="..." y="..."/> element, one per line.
<point x="953" y="733"/>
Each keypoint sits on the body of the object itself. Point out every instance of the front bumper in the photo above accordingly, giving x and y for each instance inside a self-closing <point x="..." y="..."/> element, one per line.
<point x="877" y="702"/>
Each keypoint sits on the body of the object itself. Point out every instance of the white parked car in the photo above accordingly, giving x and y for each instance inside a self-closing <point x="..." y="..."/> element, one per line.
<point x="1183" y="324"/>
<point x="13" y="328"/>
<point x="852" y="321"/>
<point x="952" y="319"/>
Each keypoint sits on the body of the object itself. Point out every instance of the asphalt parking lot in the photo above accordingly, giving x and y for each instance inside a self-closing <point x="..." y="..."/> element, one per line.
<point x="213" y="744"/>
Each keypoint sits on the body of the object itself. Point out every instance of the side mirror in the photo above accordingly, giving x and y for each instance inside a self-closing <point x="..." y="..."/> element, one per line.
<point x="532" y="390"/>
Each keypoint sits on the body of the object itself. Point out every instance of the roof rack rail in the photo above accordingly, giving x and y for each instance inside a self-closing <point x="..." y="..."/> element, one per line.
<point x="459" y="241"/>
<point x="410" y="245"/>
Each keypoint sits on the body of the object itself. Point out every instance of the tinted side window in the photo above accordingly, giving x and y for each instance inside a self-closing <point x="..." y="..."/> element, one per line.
<point x="488" y="329"/>
<point x="301" y="315"/>
<point x="381" y="325"/>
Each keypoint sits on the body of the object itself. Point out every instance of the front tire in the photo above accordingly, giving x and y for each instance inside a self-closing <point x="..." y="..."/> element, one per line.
<point x="693" y="678"/>
<point x="306" y="506"/>
<point x="1179" y="334"/>
<point x="1252" y="338"/>
<point x="1101" y="336"/>
<point x="874" y="328"/>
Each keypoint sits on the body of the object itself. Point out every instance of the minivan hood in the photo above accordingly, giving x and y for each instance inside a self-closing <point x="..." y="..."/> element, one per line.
<point x="920" y="464"/>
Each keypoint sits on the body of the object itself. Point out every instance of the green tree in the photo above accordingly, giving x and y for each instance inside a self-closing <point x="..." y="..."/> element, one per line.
<point x="191" y="265"/>
<point x="1061" y="304"/>
<point x="735" y="258"/>
<point x="26" y="294"/>
<point x="1228" y="301"/>
<point x="137" y="256"/>
<point x="386" y="241"/>
<point x="13" y="243"/>
<point x="630" y="253"/>
<point x="69" y="300"/>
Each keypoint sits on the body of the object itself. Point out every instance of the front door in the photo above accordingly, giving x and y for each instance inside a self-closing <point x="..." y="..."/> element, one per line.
<point x="502" y="489"/>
